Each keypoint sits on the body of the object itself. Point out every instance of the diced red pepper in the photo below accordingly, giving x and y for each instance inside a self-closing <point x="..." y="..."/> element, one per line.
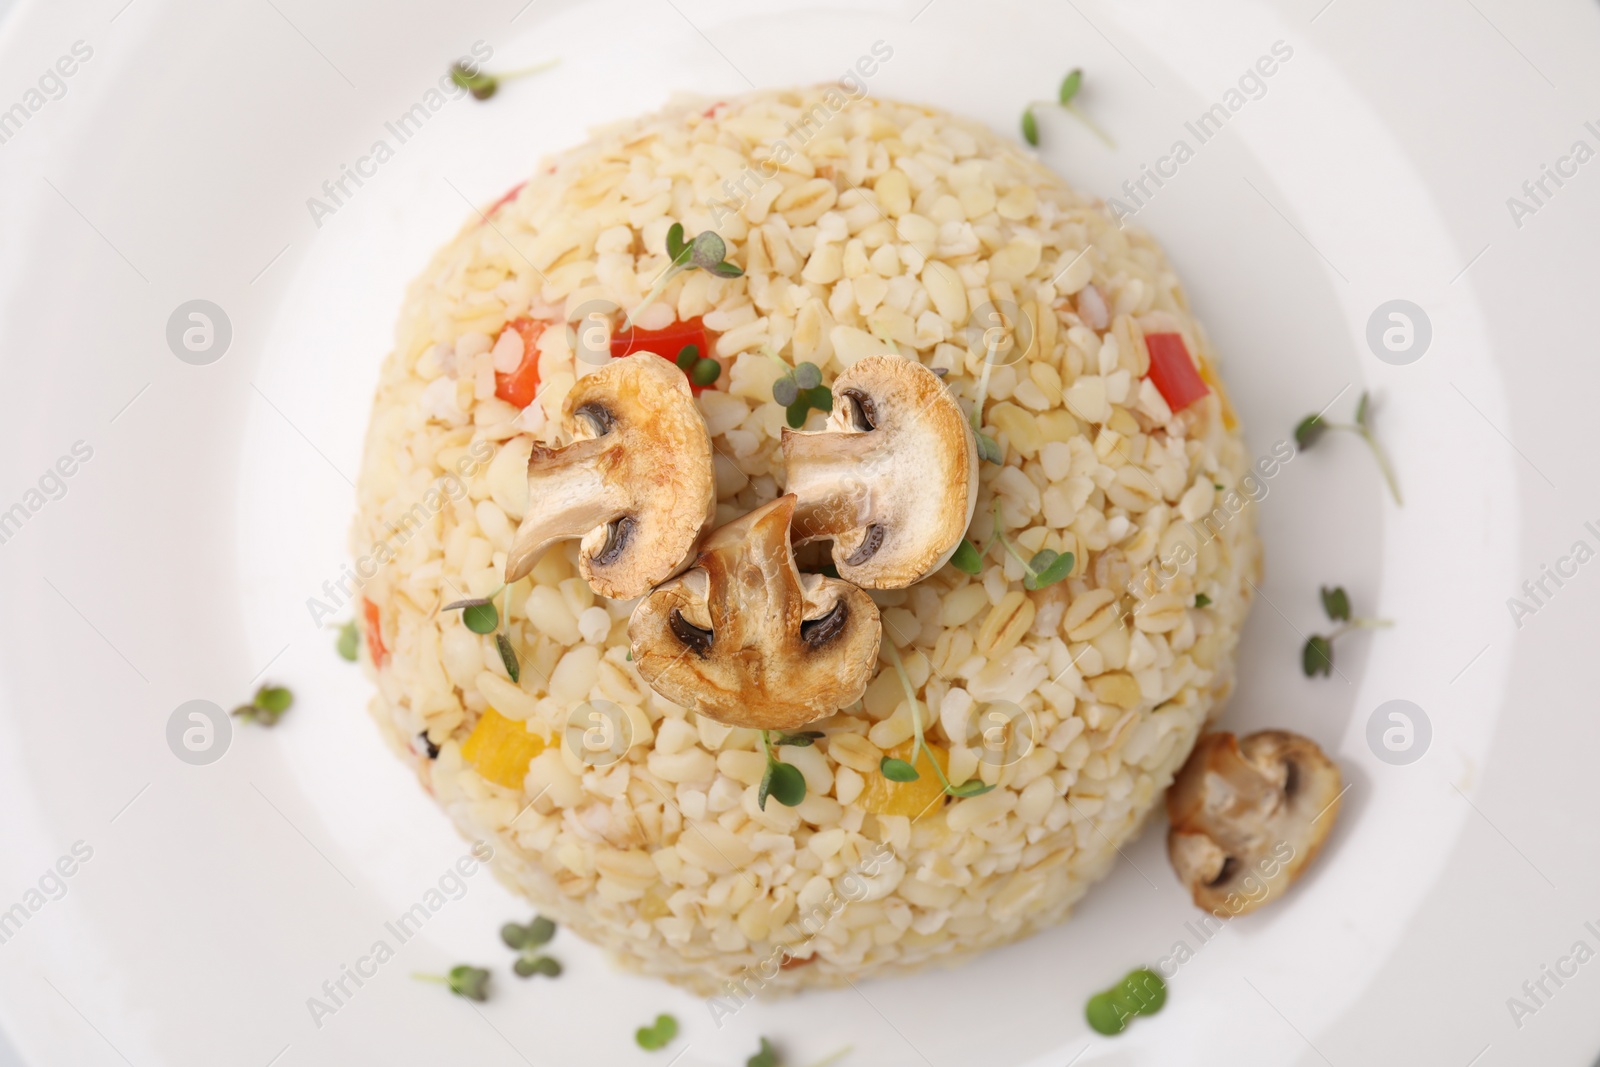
<point x="375" y="649"/>
<point x="1173" y="371"/>
<point x="520" y="386"/>
<point x="665" y="343"/>
<point x="504" y="200"/>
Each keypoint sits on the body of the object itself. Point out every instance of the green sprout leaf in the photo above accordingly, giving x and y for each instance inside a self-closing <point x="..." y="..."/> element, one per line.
<point x="1201" y="600"/>
<point x="1336" y="602"/>
<point x="898" y="770"/>
<point x="463" y="980"/>
<point x="708" y="250"/>
<point x="785" y="784"/>
<point x="974" y="787"/>
<point x="966" y="558"/>
<point x="1049" y="568"/>
<point x="1309" y="429"/>
<point x="727" y="270"/>
<point x="349" y="642"/>
<point x="765" y="788"/>
<point x="540" y="931"/>
<point x="1361" y="410"/>
<point x="803" y="739"/>
<point x="1030" y="127"/>
<point x="480" y="84"/>
<point x="705" y="372"/>
<point x="766" y="1057"/>
<point x="688" y="356"/>
<point x="989" y="448"/>
<point x="1317" y="657"/>
<point x="1105" y="1015"/>
<point x="807" y="376"/>
<point x="508" y="656"/>
<point x="658" y="1034"/>
<point x="677" y="248"/>
<point x="514" y="935"/>
<point x="819" y="397"/>
<point x="785" y="391"/>
<point x="797" y="414"/>
<point x="274" y="699"/>
<point x="1070" y="85"/>
<point x="480" y="618"/>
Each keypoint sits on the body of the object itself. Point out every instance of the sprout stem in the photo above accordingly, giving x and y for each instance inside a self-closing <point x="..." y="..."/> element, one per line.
<point x="1005" y="542"/>
<point x="650" y="297"/>
<point x="522" y="72"/>
<point x="916" y="715"/>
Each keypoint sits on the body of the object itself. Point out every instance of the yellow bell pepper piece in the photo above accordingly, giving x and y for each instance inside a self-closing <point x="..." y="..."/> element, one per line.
<point x="884" y="797"/>
<point x="500" y="749"/>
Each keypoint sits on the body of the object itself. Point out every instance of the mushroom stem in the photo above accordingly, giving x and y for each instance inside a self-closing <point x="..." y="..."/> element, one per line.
<point x="574" y="498"/>
<point x="827" y="471"/>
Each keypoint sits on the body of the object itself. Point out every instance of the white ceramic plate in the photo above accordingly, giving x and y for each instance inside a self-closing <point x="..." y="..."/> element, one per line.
<point x="208" y="903"/>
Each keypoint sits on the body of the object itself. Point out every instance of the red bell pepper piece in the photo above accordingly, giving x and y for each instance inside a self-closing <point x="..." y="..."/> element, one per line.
<point x="504" y="200"/>
<point x="1173" y="371"/>
<point x="520" y="386"/>
<point x="665" y="343"/>
<point x="375" y="648"/>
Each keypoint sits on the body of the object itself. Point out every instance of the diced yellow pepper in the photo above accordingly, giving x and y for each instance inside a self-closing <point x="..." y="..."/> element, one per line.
<point x="884" y="797"/>
<point x="500" y="749"/>
<point x="1208" y="375"/>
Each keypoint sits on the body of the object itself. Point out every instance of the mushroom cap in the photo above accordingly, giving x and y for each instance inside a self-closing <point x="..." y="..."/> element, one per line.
<point x="748" y="640"/>
<point x="636" y="483"/>
<point x="892" y="480"/>
<point x="1248" y="816"/>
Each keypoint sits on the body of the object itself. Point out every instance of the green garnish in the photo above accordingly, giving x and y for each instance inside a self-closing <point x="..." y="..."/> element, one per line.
<point x="1312" y="427"/>
<point x="464" y="980"/>
<point x="783" y="782"/>
<point x="1064" y="100"/>
<point x="705" y="372"/>
<point x="1045" y="568"/>
<point x="966" y="558"/>
<point x="799" y="390"/>
<point x="267" y="706"/>
<point x="349" y="642"/>
<point x="688" y="356"/>
<point x="707" y="252"/>
<point x="478" y="614"/>
<point x="1317" y="655"/>
<point x="657" y="1035"/>
<point x="766" y="1057"/>
<point x="988" y="448"/>
<point x="897" y="770"/>
<point x="482" y="85"/>
<point x="1201" y="600"/>
<point x="1141" y="992"/>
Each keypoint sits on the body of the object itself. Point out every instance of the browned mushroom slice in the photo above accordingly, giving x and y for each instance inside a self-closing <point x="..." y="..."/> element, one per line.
<point x="748" y="640"/>
<point x="1248" y="816"/>
<point x="892" y="480"/>
<point x="636" y="483"/>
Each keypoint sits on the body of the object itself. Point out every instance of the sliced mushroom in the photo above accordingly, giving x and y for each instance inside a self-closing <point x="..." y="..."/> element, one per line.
<point x="748" y="640"/>
<point x="636" y="483"/>
<point x="892" y="480"/>
<point x="1248" y="816"/>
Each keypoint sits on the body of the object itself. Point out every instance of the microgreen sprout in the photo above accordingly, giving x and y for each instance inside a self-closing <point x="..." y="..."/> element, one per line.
<point x="781" y="781"/>
<point x="479" y="615"/>
<point x="266" y="707"/>
<point x="707" y="252"/>
<point x="482" y="85"/>
<point x="701" y="370"/>
<point x="1064" y="100"/>
<point x="966" y="558"/>
<point x="464" y="980"/>
<point x="1312" y="427"/>
<point x="1141" y="992"/>
<point x="766" y="1056"/>
<point x="527" y="940"/>
<point x="658" y="1034"/>
<point x="348" y="643"/>
<point x="1317" y="655"/>
<point x="1201" y="600"/>
<point x="897" y="770"/>
<point x="799" y="390"/>
<point x="1044" y="568"/>
<point x="988" y="448"/>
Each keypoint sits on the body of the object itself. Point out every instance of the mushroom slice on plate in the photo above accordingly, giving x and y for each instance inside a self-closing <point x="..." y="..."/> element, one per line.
<point x="1247" y="816"/>
<point x="748" y="640"/>
<point x="636" y="483"/>
<point x="892" y="480"/>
